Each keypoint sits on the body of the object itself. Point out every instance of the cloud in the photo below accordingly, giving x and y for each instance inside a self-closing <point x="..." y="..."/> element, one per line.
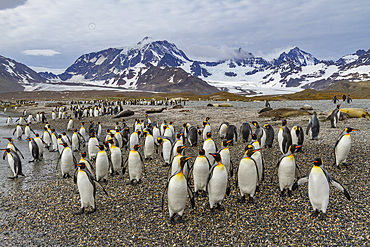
<point x="207" y="28"/>
<point x="46" y="52"/>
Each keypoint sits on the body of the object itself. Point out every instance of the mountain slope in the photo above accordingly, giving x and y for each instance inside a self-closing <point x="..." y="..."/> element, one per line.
<point x="14" y="76"/>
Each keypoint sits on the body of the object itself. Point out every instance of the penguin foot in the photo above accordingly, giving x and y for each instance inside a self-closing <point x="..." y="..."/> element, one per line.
<point x="257" y="188"/>
<point x="12" y="177"/>
<point x="289" y="193"/>
<point x="322" y="216"/>
<point x="315" y="213"/>
<point x="282" y="193"/>
<point x="172" y="219"/>
<point x="241" y="199"/>
<point x="220" y="207"/>
<point x="196" y="194"/>
<point x="180" y="219"/>
<point x="92" y="211"/>
<point x="250" y="200"/>
<point x="82" y="210"/>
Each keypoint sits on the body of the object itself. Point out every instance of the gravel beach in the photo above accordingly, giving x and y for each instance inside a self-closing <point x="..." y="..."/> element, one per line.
<point x="38" y="210"/>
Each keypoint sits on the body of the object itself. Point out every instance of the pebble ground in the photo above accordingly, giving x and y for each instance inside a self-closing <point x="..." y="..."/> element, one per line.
<point x="41" y="213"/>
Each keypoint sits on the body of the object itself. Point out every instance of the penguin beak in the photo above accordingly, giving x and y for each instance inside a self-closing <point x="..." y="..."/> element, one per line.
<point x="256" y="150"/>
<point x="298" y="146"/>
<point x="188" y="158"/>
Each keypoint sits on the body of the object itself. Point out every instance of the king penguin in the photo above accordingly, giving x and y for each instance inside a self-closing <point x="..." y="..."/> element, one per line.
<point x="102" y="164"/>
<point x="297" y="134"/>
<point x="260" y="132"/>
<point x="209" y="147"/>
<point x="313" y="127"/>
<point x="247" y="176"/>
<point x="34" y="149"/>
<point x="166" y="149"/>
<point x="135" y="165"/>
<point x="217" y="183"/>
<point x="14" y="162"/>
<point x="318" y="188"/>
<point x="116" y="157"/>
<point x="334" y="117"/>
<point x="287" y="171"/>
<point x="177" y="192"/>
<point x="201" y="169"/>
<point x="270" y="135"/>
<point x="225" y="157"/>
<point x="245" y="131"/>
<point x="86" y="187"/>
<point x="149" y="145"/>
<point x="343" y="146"/>
<point x="93" y="146"/>
<point x="284" y="137"/>
<point x="67" y="161"/>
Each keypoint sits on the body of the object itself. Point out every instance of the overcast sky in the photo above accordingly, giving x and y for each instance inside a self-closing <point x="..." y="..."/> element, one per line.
<point x="54" y="33"/>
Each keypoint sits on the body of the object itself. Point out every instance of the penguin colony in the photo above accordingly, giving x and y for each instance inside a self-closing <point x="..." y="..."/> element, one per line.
<point x="210" y="173"/>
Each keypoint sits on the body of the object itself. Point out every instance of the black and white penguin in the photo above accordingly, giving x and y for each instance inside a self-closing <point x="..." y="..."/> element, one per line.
<point x="260" y="133"/>
<point x="102" y="164"/>
<point x="116" y="157"/>
<point x="247" y="176"/>
<point x="201" y="169"/>
<point x="217" y="183"/>
<point x="175" y="162"/>
<point x="222" y="130"/>
<point x="287" y="171"/>
<point x="178" y="190"/>
<point x="245" y="131"/>
<point x="209" y="147"/>
<point x="14" y="162"/>
<point x="226" y="157"/>
<point x="67" y="161"/>
<point x="334" y="117"/>
<point x="87" y="162"/>
<point x="135" y="165"/>
<point x="206" y="129"/>
<point x="257" y="157"/>
<point x="92" y="146"/>
<point x="166" y="144"/>
<point x="343" y="146"/>
<point x="313" y="127"/>
<point x="270" y="135"/>
<point x="18" y="129"/>
<point x="284" y="137"/>
<point x="12" y="146"/>
<point x="40" y="144"/>
<point x="149" y="145"/>
<point x="34" y="149"/>
<point x="318" y="188"/>
<point x="134" y="139"/>
<point x="231" y="134"/>
<point x="193" y="136"/>
<point x="70" y="125"/>
<point x="297" y="134"/>
<point x="87" y="188"/>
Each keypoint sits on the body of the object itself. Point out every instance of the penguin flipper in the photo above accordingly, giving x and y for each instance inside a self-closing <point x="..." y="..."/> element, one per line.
<point x="191" y="195"/>
<point x="101" y="186"/>
<point x="299" y="182"/>
<point x="164" y="192"/>
<point x="341" y="188"/>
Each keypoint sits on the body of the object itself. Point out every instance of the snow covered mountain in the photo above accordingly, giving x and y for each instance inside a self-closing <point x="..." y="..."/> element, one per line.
<point x="243" y="73"/>
<point x="15" y="76"/>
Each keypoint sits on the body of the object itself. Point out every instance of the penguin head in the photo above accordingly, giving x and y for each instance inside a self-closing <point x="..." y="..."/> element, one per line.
<point x="101" y="147"/>
<point x="208" y="135"/>
<point x="294" y="147"/>
<point x="249" y="150"/>
<point x="225" y="143"/>
<point x="145" y="133"/>
<point x="183" y="160"/>
<point x="207" y="118"/>
<point x="83" y="154"/>
<point x="217" y="156"/>
<point x="349" y="129"/>
<point x="284" y="122"/>
<point x="136" y="147"/>
<point x="29" y="139"/>
<point x="81" y="165"/>
<point x="7" y="150"/>
<point x="160" y="140"/>
<point x="204" y="123"/>
<point x="254" y="137"/>
<point x="185" y="125"/>
<point x="202" y="152"/>
<point x="267" y="126"/>
<point x="179" y="149"/>
<point x="317" y="162"/>
<point x="37" y="135"/>
<point x="255" y="123"/>
<point x="111" y="141"/>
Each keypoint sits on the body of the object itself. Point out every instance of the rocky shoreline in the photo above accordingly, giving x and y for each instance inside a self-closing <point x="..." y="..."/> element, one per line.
<point x="41" y="214"/>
